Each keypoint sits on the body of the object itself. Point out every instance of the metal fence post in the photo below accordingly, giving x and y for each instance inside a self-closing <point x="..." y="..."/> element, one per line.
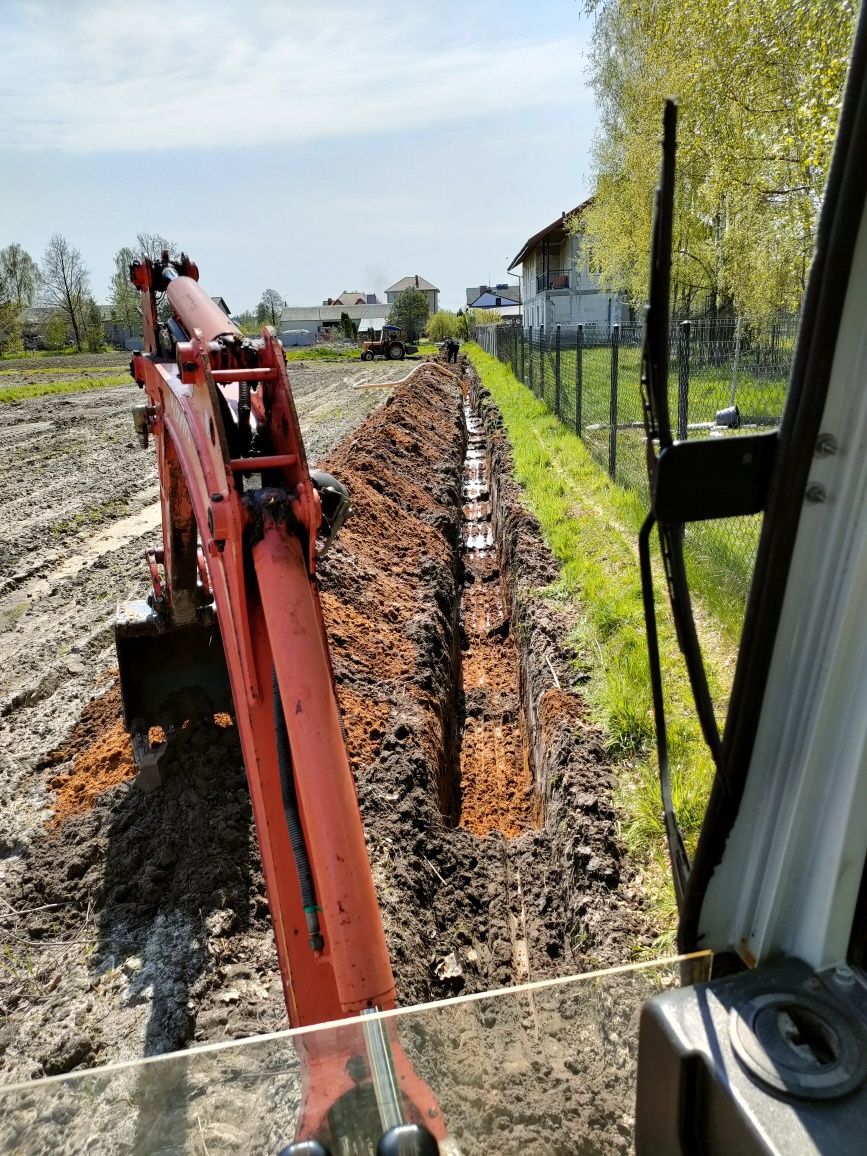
<point x="530" y="383"/>
<point x="557" y="371"/>
<point x="523" y="339"/>
<point x="579" y="377"/>
<point x="612" y="429"/>
<point x="542" y="362"/>
<point x="683" y="381"/>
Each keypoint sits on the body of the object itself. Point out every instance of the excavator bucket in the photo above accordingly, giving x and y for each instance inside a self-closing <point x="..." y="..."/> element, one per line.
<point x="168" y="675"/>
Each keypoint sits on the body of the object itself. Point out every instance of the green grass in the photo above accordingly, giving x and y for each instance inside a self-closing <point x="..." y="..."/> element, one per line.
<point x="56" y="369"/>
<point x="322" y="353"/>
<point x="720" y="555"/>
<point x="592" y="527"/>
<point x="11" y="393"/>
<point x="760" y="399"/>
<point x="26" y="354"/>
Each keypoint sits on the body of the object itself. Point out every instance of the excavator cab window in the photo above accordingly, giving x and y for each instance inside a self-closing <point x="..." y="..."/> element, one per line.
<point x="770" y="1056"/>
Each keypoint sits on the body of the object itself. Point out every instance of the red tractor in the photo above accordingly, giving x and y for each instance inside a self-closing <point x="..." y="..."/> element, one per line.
<point x="390" y="345"/>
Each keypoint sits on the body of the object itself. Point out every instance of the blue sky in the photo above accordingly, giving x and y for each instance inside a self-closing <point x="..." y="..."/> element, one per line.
<point x="307" y="147"/>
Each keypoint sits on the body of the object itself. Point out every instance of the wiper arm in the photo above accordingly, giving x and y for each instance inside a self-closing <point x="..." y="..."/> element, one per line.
<point x="689" y="481"/>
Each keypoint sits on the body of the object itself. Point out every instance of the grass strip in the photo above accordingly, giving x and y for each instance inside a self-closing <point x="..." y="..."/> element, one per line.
<point x="12" y="393"/>
<point x="35" y="354"/>
<point x="57" y="369"/>
<point x="592" y="527"/>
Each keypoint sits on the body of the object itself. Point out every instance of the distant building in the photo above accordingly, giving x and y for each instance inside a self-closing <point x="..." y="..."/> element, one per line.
<point x="556" y="283"/>
<point x="512" y="292"/>
<point x="352" y="298"/>
<point x="33" y="322"/>
<point x="292" y="338"/>
<point x="415" y="282"/>
<point x="504" y="299"/>
<point x="370" y="328"/>
<point x="316" y="318"/>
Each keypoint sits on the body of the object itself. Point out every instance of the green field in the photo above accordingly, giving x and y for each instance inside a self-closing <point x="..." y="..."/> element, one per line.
<point x="759" y="398"/>
<point x="721" y="554"/>
<point x="11" y="393"/>
<point x="69" y="351"/>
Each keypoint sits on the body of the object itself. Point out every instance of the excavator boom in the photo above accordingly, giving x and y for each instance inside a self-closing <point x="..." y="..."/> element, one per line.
<point x="234" y="622"/>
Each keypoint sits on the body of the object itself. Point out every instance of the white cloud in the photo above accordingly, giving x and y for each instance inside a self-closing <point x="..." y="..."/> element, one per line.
<point x="121" y="75"/>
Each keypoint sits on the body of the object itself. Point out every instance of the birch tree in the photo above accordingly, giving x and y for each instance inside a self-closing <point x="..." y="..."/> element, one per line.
<point x="759" y="85"/>
<point x="124" y="298"/>
<point x="19" y="280"/>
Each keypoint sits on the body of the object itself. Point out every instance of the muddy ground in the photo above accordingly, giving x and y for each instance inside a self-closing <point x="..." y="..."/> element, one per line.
<point x="78" y="507"/>
<point x="135" y="924"/>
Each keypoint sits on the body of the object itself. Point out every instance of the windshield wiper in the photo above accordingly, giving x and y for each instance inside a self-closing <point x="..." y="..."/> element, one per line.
<point x="689" y="481"/>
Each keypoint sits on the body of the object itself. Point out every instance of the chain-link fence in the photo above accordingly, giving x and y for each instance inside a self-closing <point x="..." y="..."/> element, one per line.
<point x="725" y="376"/>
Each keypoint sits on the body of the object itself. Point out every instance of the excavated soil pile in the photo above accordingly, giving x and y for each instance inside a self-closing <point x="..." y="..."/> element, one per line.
<point x="440" y="715"/>
<point x="463" y="912"/>
<point x="98" y="754"/>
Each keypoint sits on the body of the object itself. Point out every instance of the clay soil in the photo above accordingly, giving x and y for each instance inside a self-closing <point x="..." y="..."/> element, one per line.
<point x="137" y="923"/>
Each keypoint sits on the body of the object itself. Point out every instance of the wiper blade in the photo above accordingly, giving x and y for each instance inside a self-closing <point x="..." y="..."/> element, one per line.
<point x="689" y="481"/>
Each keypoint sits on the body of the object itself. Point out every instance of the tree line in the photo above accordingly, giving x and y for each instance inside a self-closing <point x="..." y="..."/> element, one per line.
<point x="60" y="284"/>
<point x="759" y="85"/>
<point x="410" y="311"/>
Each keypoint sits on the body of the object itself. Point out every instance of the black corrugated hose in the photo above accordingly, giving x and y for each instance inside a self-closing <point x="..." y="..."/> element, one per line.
<point x="293" y="821"/>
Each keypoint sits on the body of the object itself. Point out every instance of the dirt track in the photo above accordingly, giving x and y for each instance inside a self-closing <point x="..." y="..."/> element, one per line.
<point x="139" y="923"/>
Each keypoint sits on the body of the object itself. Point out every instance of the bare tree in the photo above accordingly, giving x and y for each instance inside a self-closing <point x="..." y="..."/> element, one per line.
<point x="270" y="308"/>
<point x="152" y="245"/>
<point x="66" y="283"/>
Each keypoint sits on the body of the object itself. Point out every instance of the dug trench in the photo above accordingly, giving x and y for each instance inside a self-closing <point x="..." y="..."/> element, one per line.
<point x="484" y="786"/>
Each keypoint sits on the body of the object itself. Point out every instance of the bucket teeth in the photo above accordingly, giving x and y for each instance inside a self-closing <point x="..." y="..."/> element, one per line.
<point x="147" y="757"/>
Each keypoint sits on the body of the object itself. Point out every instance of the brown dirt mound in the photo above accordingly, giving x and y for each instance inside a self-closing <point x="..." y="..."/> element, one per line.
<point x="101" y="755"/>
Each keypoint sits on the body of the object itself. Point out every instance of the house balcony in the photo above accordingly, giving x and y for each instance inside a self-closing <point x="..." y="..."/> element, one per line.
<point x="554" y="279"/>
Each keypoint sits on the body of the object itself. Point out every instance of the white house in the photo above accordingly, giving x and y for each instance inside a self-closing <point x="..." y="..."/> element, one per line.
<point x="324" y="317"/>
<point x="502" y="299"/>
<point x="557" y="285"/>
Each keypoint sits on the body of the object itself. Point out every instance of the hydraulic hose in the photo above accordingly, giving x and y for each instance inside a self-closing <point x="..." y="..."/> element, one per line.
<point x="293" y="821"/>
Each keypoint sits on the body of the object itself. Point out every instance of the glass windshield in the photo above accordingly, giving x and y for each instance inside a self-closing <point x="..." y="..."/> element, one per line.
<point x="545" y="1068"/>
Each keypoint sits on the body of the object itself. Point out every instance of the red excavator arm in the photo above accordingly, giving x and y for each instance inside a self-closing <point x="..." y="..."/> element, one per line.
<point x="234" y="623"/>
